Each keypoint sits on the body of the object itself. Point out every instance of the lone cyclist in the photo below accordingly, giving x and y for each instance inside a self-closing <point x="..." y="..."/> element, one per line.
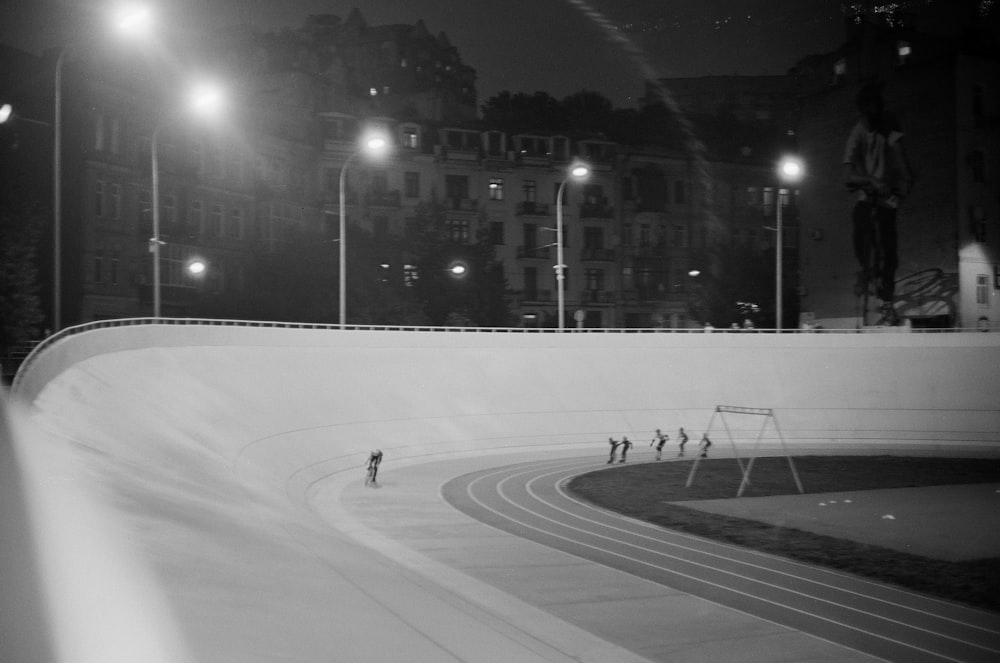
<point x="374" y="460"/>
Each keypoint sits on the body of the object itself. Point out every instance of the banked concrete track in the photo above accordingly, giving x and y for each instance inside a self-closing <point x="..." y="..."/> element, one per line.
<point x="177" y="479"/>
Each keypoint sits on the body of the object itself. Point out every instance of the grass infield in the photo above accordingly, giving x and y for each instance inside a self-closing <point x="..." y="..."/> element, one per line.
<point x="650" y="492"/>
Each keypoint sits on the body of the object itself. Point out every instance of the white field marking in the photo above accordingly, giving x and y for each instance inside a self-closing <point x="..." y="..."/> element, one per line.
<point x="677" y="573"/>
<point x="504" y="496"/>
<point x="785" y="561"/>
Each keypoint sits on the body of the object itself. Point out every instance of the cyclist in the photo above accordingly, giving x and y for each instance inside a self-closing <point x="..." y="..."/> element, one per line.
<point x="374" y="460"/>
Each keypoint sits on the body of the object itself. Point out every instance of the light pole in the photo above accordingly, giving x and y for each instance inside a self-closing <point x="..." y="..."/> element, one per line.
<point x="789" y="170"/>
<point x="577" y="171"/>
<point x="205" y="99"/>
<point x="132" y="19"/>
<point x="372" y="144"/>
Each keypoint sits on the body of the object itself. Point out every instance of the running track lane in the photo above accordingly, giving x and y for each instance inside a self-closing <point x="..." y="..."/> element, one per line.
<point x="530" y="501"/>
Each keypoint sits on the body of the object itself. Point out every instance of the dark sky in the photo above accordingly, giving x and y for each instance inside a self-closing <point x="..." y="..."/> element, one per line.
<point x="559" y="46"/>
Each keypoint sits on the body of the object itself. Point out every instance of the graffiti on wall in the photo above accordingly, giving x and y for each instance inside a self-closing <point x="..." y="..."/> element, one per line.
<point x="927" y="293"/>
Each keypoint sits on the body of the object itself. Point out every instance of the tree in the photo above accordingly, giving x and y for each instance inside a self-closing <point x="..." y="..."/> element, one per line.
<point x="524" y="113"/>
<point x="20" y="306"/>
<point x="478" y="298"/>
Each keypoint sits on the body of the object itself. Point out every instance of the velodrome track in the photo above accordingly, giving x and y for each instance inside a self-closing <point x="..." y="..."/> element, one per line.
<point x="197" y="482"/>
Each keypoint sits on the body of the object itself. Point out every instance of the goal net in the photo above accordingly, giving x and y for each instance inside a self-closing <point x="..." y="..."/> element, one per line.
<point x="756" y="421"/>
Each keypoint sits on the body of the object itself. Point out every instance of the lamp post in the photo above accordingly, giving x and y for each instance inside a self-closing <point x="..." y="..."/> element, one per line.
<point x="205" y="99"/>
<point x="133" y="19"/>
<point x="576" y="171"/>
<point x="789" y="170"/>
<point x="372" y="144"/>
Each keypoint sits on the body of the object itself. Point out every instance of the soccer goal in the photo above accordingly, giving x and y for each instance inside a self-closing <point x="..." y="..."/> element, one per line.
<point x="745" y="416"/>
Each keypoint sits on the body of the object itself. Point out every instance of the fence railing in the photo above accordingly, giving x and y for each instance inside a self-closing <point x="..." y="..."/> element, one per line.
<point x="41" y="346"/>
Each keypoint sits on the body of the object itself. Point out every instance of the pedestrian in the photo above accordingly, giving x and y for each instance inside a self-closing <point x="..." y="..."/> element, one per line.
<point x="683" y="438"/>
<point x="659" y="439"/>
<point x="626" y="445"/>
<point x="877" y="170"/>
<point x="614" y="449"/>
<point x="704" y="445"/>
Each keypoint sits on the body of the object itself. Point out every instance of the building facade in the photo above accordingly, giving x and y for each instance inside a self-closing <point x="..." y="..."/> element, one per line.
<point x="940" y="70"/>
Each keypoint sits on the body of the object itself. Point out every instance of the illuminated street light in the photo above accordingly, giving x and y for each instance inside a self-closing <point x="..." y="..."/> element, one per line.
<point x="134" y="19"/>
<point x="373" y="144"/>
<point x="129" y="19"/>
<point x="197" y="267"/>
<point x="577" y="171"/>
<point x="204" y="101"/>
<point x="458" y="269"/>
<point x="790" y="169"/>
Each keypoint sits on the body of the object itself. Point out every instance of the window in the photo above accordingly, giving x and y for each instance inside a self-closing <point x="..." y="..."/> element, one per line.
<point x="194" y="153"/>
<point x="978" y="103"/>
<point x="839" y="71"/>
<point x="496" y="232"/>
<point x="99" y="198"/>
<point x="380" y="181"/>
<point x="169" y="210"/>
<point x="114" y="266"/>
<point x="115" y="192"/>
<point x="458" y="230"/>
<point x="98" y="265"/>
<point x="644" y="236"/>
<point x="145" y="211"/>
<point x="978" y="164"/>
<point x="680" y="237"/>
<point x="529" y="191"/>
<point x="530" y="283"/>
<point x="234" y="224"/>
<point x="198" y="216"/>
<point x="594" y="279"/>
<point x="680" y="192"/>
<point x="456" y="187"/>
<point x="215" y="221"/>
<point x="496" y="188"/>
<point x="903" y="52"/>
<point x="235" y="167"/>
<point x="380" y="228"/>
<point x="114" y="135"/>
<point x="593" y="238"/>
<point x="494" y="144"/>
<point x="411" y="184"/>
<point x="411" y="140"/>
<point x="982" y="290"/>
<point x="99" y="132"/>
<point x="593" y="194"/>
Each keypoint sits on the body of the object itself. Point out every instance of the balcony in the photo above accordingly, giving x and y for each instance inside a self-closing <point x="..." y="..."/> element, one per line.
<point x="597" y="254"/>
<point x="533" y="208"/>
<point x="539" y="252"/>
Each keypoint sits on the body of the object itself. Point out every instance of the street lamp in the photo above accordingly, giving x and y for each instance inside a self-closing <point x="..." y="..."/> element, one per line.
<point x="576" y="171"/>
<point x="132" y="19"/>
<point x="372" y="144"/>
<point x="205" y="100"/>
<point x="790" y="169"/>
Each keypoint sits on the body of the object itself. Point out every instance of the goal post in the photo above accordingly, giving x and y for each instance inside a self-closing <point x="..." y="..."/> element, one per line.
<point x="767" y="417"/>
